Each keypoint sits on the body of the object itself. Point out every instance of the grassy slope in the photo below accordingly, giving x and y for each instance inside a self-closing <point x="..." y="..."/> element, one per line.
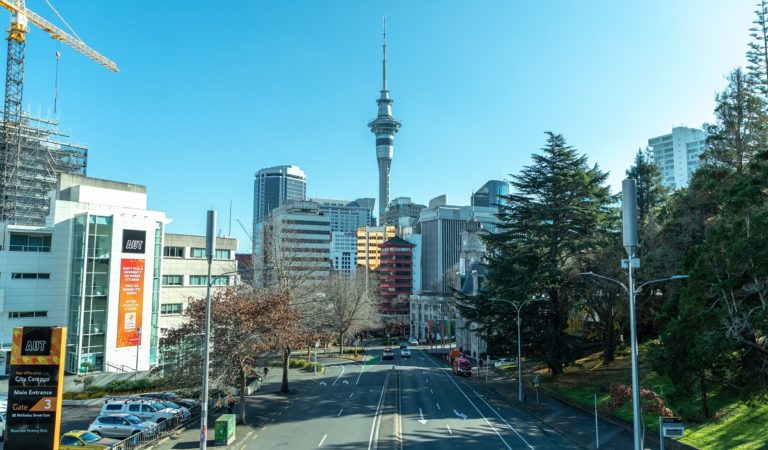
<point x="741" y="426"/>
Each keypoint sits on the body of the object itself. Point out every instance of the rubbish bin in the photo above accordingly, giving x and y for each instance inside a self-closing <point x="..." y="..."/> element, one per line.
<point x="225" y="429"/>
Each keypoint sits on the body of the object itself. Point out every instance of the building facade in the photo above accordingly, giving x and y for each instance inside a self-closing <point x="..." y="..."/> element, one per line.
<point x="395" y="276"/>
<point x="402" y="212"/>
<point x="344" y="252"/>
<point x="185" y="274"/>
<point x="276" y="186"/>
<point x="95" y="267"/>
<point x="677" y="155"/>
<point x="347" y="216"/>
<point x="490" y="194"/>
<point x="369" y="240"/>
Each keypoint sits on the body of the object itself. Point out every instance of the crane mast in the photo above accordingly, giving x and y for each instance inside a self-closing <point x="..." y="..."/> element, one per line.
<point x="15" y="170"/>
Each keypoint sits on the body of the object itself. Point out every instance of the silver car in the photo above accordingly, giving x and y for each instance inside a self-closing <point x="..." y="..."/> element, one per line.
<point x="121" y="426"/>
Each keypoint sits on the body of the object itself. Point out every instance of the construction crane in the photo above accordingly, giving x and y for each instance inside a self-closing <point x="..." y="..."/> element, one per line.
<point x="11" y="158"/>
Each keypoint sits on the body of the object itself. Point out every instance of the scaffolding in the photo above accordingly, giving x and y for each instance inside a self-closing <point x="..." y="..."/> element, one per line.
<point x="35" y="152"/>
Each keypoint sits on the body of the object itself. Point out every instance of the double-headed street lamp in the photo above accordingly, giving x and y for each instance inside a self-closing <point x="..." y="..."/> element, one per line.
<point x="519" y="308"/>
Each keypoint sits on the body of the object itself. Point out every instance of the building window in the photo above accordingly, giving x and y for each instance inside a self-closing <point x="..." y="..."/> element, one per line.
<point x="30" y="242"/>
<point x="200" y="280"/>
<point x="170" y="308"/>
<point x="27" y="314"/>
<point x="173" y="252"/>
<point x="197" y="252"/>
<point x="30" y="276"/>
<point x="222" y="254"/>
<point x="173" y="280"/>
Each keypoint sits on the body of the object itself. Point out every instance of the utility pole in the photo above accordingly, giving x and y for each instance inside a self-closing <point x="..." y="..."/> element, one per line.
<point x="629" y="220"/>
<point x="210" y="250"/>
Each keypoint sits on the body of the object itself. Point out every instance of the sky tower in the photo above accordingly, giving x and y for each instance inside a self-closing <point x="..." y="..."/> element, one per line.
<point x="384" y="126"/>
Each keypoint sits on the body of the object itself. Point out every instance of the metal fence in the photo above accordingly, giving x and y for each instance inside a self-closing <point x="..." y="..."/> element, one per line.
<point x="163" y="429"/>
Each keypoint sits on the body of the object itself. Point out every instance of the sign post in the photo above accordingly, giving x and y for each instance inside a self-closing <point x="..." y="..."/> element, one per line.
<point x="35" y="387"/>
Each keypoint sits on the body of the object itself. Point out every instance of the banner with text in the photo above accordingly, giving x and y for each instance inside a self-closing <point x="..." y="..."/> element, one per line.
<point x="131" y="301"/>
<point x="35" y="388"/>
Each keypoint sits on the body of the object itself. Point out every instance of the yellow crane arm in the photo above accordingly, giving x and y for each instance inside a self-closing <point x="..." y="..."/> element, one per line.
<point x="59" y="34"/>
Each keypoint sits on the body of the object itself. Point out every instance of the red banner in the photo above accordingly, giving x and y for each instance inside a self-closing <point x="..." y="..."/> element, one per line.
<point x="131" y="301"/>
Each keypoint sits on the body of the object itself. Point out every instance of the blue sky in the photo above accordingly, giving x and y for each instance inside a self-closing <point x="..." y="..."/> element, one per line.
<point x="210" y="92"/>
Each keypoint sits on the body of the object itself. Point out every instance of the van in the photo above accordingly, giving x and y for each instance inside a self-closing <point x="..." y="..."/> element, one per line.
<point x="462" y="366"/>
<point x="151" y="412"/>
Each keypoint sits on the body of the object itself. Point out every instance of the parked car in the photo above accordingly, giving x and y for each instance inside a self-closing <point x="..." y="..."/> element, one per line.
<point x="121" y="426"/>
<point x="387" y="354"/>
<point x="462" y="366"/>
<point x="163" y="396"/>
<point x="405" y="353"/>
<point x="85" y="440"/>
<point x="413" y="341"/>
<point x="185" y="414"/>
<point x="188" y="403"/>
<point x="2" y="425"/>
<point x="153" y="412"/>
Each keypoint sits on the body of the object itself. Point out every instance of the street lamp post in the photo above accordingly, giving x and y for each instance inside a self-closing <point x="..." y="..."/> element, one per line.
<point x="632" y="293"/>
<point x="519" y="342"/>
<point x="210" y="250"/>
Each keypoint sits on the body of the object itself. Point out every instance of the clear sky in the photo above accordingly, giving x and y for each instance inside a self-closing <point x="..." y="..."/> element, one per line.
<point x="210" y="92"/>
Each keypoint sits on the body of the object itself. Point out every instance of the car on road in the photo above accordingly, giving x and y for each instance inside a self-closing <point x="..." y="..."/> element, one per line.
<point x="387" y="354"/>
<point x="462" y="366"/>
<point x="121" y="426"/>
<point x="413" y="341"/>
<point x="85" y="440"/>
<point x="405" y="353"/>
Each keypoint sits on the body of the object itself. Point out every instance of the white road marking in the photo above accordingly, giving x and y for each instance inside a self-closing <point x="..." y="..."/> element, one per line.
<point x="450" y="378"/>
<point x="323" y="383"/>
<point x="432" y="392"/>
<point x="438" y="405"/>
<point x="373" y="444"/>
<point x="350" y="395"/>
<point x="449" y="428"/>
<point x="421" y="420"/>
<point x="458" y="414"/>
<point x="337" y="378"/>
<point x="323" y="440"/>
<point x="337" y="415"/>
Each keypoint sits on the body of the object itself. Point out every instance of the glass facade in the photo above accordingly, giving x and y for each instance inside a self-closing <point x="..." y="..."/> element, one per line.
<point x="92" y="249"/>
<point x="154" y="339"/>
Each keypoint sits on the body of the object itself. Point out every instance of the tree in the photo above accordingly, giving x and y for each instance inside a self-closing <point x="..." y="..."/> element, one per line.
<point x="348" y="306"/>
<point x="650" y="190"/>
<point x="556" y="214"/>
<point x="757" y="53"/>
<point x="245" y="324"/>
<point x="741" y="130"/>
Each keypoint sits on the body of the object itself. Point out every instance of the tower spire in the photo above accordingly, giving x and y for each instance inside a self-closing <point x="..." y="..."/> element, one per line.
<point x="384" y="127"/>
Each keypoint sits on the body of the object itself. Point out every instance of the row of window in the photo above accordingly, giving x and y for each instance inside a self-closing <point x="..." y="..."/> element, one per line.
<point x="30" y="276"/>
<point x="195" y="253"/>
<point x="30" y="243"/>
<point x="27" y="314"/>
<point x="194" y="280"/>
<point x="170" y="308"/>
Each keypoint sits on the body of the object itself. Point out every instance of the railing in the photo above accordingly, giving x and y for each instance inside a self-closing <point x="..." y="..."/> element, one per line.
<point x="122" y="368"/>
<point x="163" y="429"/>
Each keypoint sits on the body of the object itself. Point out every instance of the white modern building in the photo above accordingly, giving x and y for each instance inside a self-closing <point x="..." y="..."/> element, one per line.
<point x="344" y="252"/>
<point x="185" y="274"/>
<point x="677" y="155"/>
<point x="94" y="267"/>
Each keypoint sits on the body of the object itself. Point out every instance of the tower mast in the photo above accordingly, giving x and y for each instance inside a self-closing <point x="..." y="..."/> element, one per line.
<point x="384" y="127"/>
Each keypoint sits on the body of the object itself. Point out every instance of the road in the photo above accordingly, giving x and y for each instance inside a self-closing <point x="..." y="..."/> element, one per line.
<point x="438" y="410"/>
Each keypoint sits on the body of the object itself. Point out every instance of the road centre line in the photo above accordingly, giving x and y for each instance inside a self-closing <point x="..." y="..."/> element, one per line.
<point x="438" y="405"/>
<point x="350" y="395"/>
<point x="323" y="440"/>
<point x="481" y="414"/>
<point x="373" y="444"/>
<point x="337" y="415"/>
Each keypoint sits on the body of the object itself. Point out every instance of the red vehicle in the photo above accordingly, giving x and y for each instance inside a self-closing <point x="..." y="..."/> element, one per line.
<point x="462" y="366"/>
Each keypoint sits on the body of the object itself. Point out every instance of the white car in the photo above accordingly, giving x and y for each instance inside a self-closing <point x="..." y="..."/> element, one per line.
<point x="144" y="410"/>
<point x="405" y="353"/>
<point x="413" y="341"/>
<point x="387" y="354"/>
<point x="503" y="362"/>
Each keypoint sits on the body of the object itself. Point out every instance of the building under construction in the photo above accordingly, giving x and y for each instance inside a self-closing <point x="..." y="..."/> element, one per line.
<point x="29" y="164"/>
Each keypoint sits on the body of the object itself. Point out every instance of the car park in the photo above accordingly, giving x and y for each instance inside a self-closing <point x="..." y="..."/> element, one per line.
<point x="145" y="410"/>
<point x="405" y="353"/>
<point x="85" y="440"/>
<point x="121" y="426"/>
<point x="387" y="354"/>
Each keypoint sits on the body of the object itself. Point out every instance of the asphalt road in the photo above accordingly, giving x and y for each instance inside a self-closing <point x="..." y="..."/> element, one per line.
<point x="438" y="410"/>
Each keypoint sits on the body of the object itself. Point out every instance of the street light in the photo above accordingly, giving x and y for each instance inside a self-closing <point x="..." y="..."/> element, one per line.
<point x="519" y="346"/>
<point x="632" y="292"/>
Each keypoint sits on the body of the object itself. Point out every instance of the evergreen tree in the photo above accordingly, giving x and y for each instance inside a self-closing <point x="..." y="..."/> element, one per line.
<point x="741" y="130"/>
<point x="650" y="191"/>
<point x="757" y="53"/>
<point x="555" y="216"/>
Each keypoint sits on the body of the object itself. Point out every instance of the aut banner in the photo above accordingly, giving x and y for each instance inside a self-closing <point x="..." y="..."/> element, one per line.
<point x="131" y="301"/>
<point x="34" y="388"/>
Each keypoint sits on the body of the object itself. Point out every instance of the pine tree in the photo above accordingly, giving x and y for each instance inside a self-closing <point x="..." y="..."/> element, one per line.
<point x="650" y="191"/>
<point x="757" y="54"/>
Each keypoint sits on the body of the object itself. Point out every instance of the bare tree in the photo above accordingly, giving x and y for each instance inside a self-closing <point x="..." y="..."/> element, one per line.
<point x="348" y="306"/>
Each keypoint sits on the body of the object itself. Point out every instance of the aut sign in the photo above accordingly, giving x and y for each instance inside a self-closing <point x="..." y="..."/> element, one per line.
<point x="35" y="388"/>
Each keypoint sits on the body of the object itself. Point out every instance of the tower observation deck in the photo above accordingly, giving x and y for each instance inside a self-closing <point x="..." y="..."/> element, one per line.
<point x="384" y="127"/>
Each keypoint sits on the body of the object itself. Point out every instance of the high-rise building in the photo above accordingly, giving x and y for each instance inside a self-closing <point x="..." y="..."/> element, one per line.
<point x="276" y="186"/>
<point x="368" y="241"/>
<point x="677" y="155"/>
<point x="346" y="216"/>
<point x="402" y="212"/>
<point x="395" y="276"/>
<point x="344" y="252"/>
<point x="490" y="194"/>
<point x="296" y="246"/>
<point x="384" y="127"/>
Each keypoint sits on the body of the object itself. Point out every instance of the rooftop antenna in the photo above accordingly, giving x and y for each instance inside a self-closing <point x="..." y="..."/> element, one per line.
<point x="384" y="49"/>
<point x="229" y="230"/>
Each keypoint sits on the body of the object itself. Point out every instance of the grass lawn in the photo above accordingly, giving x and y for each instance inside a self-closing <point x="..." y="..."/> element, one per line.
<point x="740" y="426"/>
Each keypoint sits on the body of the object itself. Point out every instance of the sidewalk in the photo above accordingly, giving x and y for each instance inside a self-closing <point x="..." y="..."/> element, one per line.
<point x="260" y="408"/>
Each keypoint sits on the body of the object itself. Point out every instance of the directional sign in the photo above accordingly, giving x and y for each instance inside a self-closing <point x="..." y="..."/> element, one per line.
<point x="458" y="414"/>
<point x="35" y="388"/>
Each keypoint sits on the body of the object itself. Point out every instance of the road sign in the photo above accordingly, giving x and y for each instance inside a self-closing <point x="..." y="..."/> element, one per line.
<point x="35" y="388"/>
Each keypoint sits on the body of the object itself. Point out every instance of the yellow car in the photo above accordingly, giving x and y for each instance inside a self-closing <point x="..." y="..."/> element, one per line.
<point x="85" y="440"/>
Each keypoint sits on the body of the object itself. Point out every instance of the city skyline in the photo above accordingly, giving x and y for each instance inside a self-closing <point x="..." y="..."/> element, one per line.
<point x="193" y="119"/>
